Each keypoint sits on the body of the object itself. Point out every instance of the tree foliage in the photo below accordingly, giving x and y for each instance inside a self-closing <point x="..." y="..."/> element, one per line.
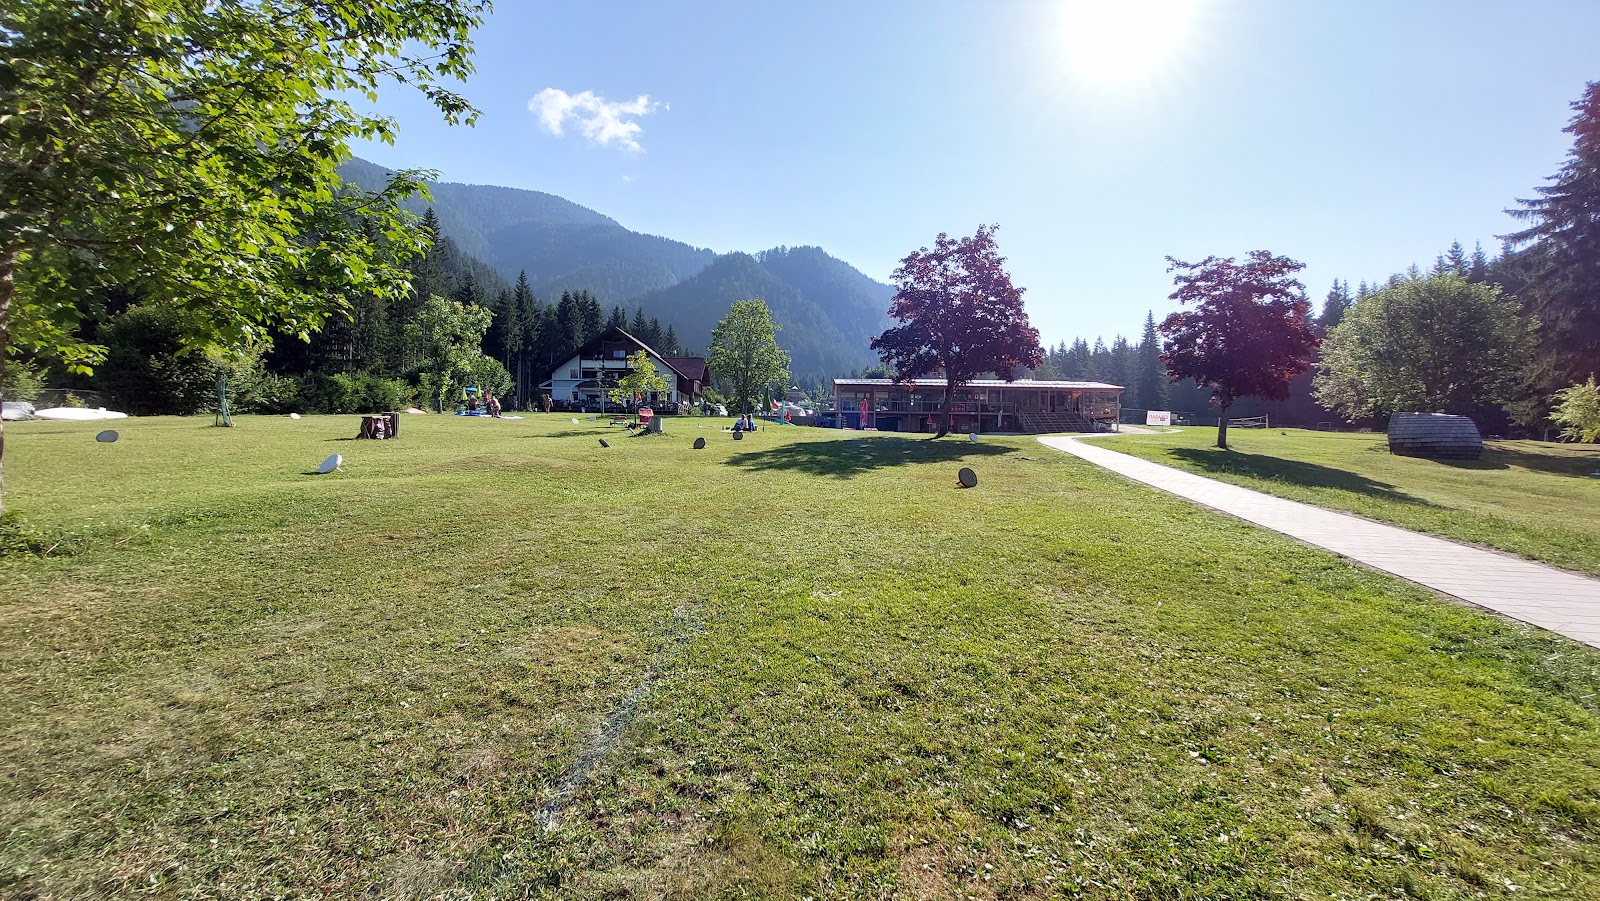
<point x="1248" y="333"/>
<point x="960" y="316"/>
<point x="745" y="356"/>
<point x="448" y="338"/>
<point x="641" y="380"/>
<point x="1561" y="261"/>
<point x="1577" y="411"/>
<point x="1437" y="344"/>
<point x="189" y="150"/>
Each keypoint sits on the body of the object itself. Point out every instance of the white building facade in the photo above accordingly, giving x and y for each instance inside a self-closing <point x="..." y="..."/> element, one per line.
<point x="584" y="382"/>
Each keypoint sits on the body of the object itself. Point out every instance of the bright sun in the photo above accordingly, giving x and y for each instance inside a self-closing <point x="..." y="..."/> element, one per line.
<point x="1122" y="41"/>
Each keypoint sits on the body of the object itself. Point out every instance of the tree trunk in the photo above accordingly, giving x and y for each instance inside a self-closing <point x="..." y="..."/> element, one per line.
<point x="944" y="424"/>
<point x="8" y="268"/>
<point x="1222" y="427"/>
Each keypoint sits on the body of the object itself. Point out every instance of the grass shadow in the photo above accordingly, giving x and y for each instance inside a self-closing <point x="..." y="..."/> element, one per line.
<point x="1292" y="472"/>
<point x="1565" y="464"/>
<point x="844" y="458"/>
<point x="582" y="433"/>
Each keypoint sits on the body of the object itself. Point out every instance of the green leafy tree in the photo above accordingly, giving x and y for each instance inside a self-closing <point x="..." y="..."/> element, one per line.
<point x="641" y="380"/>
<point x="1438" y="344"/>
<point x="189" y="150"/>
<point x="745" y="355"/>
<point x="1577" y="411"/>
<point x="450" y="337"/>
<point x="1561" y="261"/>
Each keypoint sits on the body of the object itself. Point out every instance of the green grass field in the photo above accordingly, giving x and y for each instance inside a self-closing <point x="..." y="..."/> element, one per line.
<point x="493" y="659"/>
<point x="1538" y="500"/>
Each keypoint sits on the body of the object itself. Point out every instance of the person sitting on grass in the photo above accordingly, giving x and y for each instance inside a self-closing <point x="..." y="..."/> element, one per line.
<point x="492" y="404"/>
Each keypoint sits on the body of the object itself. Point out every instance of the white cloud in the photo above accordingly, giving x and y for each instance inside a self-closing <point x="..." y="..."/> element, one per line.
<point x="598" y="119"/>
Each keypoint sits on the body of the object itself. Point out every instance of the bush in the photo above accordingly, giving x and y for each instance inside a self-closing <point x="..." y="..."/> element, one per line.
<point x="361" y="393"/>
<point x="149" y="371"/>
<point x="1578" y="412"/>
<point x="268" y="393"/>
<point x="20" y="381"/>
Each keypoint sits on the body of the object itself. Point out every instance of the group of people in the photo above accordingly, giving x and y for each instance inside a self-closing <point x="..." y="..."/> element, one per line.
<point x="745" y="423"/>
<point x="491" y="404"/>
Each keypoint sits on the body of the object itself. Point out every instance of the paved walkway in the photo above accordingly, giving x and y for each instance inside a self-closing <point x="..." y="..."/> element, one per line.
<point x="1542" y="595"/>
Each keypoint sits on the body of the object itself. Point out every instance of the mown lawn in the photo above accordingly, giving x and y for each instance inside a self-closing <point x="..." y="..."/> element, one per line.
<point x="493" y="659"/>
<point x="1531" y="498"/>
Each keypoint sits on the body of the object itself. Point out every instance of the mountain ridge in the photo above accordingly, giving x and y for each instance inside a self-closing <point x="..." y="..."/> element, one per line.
<point x="827" y="309"/>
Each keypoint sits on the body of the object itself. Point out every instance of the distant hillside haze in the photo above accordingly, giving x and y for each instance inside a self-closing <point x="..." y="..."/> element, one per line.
<point x="824" y="320"/>
<point x="563" y="246"/>
<point x="827" y="309"/>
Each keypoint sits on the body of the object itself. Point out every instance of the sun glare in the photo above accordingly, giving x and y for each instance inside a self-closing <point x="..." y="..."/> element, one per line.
<point x="1114" y="42"/>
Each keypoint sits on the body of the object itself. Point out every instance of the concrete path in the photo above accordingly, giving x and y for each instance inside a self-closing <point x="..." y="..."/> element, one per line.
<point x="1542" y="595"/>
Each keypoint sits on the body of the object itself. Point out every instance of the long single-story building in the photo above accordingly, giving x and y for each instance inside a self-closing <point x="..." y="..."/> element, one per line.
<point x="982" y="405"/>
<point x="584" y="381"/>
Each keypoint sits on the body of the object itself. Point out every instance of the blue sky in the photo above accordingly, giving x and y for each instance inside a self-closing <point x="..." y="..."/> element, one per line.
<point x="1356" y="137"/>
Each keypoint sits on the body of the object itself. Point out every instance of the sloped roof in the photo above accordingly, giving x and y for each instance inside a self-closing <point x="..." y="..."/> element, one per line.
<point x="693" y="368"/>
<point x="592" y="349"/>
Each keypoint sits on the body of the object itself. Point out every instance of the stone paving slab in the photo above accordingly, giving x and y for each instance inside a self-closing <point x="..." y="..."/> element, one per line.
<point x="1553" y="599"/>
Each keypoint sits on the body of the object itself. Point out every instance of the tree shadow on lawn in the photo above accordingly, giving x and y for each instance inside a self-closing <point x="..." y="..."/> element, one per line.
<point x="1293" y="472"/>
<point x="1498" y="457"/>
<point x="582" y="433"/>
<point x="846" y="457"/>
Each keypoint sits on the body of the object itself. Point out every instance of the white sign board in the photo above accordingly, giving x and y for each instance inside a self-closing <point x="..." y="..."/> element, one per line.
<point x="1158" y="417"/>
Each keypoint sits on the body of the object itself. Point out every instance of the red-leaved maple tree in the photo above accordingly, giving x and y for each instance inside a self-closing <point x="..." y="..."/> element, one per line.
<point x="1248" y="333"/>
<point x="960" y="316"/>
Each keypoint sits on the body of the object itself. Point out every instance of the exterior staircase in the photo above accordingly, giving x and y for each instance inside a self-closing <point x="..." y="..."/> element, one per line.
<point x="1045" y="423"/>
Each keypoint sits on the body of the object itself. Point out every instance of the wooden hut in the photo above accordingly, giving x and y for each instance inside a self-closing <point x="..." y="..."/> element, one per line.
<point x="1436" y="435"/>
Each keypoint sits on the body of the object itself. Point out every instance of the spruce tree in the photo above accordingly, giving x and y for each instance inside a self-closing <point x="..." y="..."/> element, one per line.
<point x="669" y="342"/>
<point x="1478" y="271"/>
<point x="1562" y="256"/>
<point x="1079" y="365"/>
<point x="1456" y="259"/>
<point x="469" y="292"/>
<point x="569" y="323"/>
<point x="1334" y="305"/>
<point x="593" y="320"/>
<point x="496" y="339"/>
<point x="1099" y="362"/>
<point x="1151" y="375"/>
<point x="618" y="318"/>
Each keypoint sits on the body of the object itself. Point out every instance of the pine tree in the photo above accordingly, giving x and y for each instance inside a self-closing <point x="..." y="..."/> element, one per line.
<point x="1479" y="270"/>
<point x="1151" y="376"/>
<point x="1456" y="259"/>
<point x="569" y="323"/>
<point x="1562" y="259"/>
<point x="618" y="318"/>
<point x="1099" y="362"/>
<point x="1079" y="363"/>
<point x="497" y="339"/>
<point x="593" y="320"/>
<point x="1334" y="306"/>
<point x="639" y="326"/>
<point x="669" y="342"/>
<point x="469" y="292"/>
